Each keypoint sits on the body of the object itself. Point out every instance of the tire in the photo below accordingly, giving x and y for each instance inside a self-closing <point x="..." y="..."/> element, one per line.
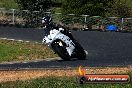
<point x="61" y="51"/>
<point x="80" y="53"/>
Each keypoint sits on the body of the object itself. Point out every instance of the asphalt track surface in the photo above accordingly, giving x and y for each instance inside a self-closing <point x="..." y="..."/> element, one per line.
<point x="104" y="48"/>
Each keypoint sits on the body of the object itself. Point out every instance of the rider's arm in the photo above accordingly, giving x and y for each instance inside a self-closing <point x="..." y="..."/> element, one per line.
<point x="61" y="28"/>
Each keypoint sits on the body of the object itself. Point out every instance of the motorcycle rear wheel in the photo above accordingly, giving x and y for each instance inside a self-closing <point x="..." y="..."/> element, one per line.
<point x="80" y="53"/>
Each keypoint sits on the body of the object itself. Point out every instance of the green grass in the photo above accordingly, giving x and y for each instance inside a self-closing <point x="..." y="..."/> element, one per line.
<point x="59" y="82"/>
<point x="15" y="51"/>
<point x="8" y="4"/>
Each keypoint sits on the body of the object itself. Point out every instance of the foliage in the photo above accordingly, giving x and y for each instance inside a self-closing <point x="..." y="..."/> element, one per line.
<point x="34" y="5"/>
<point x="119" y="8"/>
<point x="33" y="18"/>
<point x="87" y="7"/>
<point x="94" y="7"/>
<point x="97" y="7"/>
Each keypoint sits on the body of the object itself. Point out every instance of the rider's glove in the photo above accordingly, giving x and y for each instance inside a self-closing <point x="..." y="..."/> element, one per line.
<point x="43" y="42"/>
<point x="61" y="29"/>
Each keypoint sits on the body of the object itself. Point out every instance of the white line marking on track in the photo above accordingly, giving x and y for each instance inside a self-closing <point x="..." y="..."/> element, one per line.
<point x="3" y="38"/>
<point x="27" y="41"/>
<point x="20" y="40"/>
<point x="15" y="40"/>
<point x="11" y="39"/>
<point x="36" y="42"/>
<point x="24" y="62"/>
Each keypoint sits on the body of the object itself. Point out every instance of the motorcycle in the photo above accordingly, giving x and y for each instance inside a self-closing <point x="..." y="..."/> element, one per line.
<point x="64" y="46"/>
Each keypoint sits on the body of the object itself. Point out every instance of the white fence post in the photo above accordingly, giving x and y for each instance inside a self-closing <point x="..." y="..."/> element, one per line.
<point x="85" y="19"/>
<point x="122" y="23"/>
<point x="13" y="18"/>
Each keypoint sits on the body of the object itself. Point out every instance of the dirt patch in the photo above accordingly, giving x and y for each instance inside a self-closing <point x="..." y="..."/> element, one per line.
<point x="31" y="74"/>
<point x="6" y="76"/>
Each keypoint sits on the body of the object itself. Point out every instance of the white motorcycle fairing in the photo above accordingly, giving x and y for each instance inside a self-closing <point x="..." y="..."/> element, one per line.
<point x="56" y="34"/>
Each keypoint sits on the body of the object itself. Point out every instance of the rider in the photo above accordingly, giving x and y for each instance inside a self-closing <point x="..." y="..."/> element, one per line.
<point x="49" y="25"/>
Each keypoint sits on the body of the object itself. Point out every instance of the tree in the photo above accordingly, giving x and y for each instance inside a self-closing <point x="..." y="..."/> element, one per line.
<point x="120" y="8"/>
<point x="89" y="7"/>
<point x="34" y="5"/>
<point x="31" y="17"/>
<point x="97" y="7"/>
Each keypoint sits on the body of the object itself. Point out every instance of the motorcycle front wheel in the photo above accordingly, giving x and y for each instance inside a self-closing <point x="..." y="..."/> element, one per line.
<point x="61" y="51"/>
